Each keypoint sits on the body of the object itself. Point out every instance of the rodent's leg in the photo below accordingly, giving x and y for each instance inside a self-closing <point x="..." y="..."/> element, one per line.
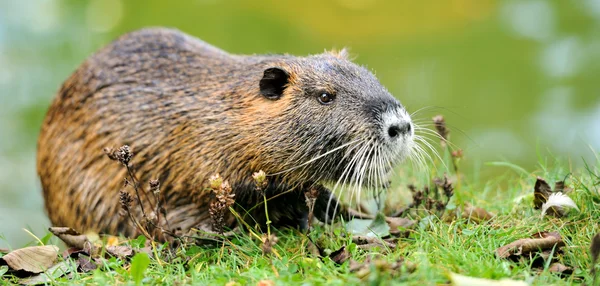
<point x="327" y="207"/>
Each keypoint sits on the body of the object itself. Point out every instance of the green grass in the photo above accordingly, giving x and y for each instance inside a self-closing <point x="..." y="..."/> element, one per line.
<point x="435" y="248"/>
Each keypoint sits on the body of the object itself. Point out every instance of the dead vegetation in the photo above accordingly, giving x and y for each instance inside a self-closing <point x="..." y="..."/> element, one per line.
<point x="224" y="199"/>
<point x="153" y="221"/>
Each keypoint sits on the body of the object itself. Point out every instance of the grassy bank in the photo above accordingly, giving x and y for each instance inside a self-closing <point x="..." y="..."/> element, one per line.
<point x="432" y="249"/>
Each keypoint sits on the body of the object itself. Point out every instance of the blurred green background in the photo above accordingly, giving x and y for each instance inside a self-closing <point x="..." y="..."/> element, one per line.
<point x="513" y="78"/>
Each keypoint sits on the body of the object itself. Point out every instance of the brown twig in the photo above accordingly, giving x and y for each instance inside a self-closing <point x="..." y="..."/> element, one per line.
<point x="224" y="199"/>
<point x="124" y="155"/>
<point x="311" y="197"/>
<point x="444" y="134"/>
<point x="432" y="200"/>
<point x="125" y="200"/>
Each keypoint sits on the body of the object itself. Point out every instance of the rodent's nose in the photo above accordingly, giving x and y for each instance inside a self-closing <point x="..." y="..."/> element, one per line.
<point x="398" y="129"/>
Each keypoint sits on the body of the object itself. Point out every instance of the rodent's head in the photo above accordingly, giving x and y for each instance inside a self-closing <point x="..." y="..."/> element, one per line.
<point x="339" y="123"/>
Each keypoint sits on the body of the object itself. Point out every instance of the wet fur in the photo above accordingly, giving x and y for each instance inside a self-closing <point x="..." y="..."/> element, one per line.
<point x="189" y="110"/>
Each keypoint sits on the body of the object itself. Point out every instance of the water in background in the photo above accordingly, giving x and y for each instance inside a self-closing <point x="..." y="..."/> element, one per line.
<point x="516" y="77"/>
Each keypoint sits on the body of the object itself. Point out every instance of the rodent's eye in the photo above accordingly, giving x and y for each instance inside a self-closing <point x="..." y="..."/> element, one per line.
<point x="326" y="98"/>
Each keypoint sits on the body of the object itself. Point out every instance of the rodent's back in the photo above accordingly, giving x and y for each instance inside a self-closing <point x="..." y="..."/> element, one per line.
<point x="147" y="89"/>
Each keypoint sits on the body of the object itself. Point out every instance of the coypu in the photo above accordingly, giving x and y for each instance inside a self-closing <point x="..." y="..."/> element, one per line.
<point x="190" y="110"/>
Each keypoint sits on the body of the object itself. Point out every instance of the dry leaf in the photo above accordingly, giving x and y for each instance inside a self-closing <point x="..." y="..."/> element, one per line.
<point x="376" y="227"/>
<point x="476" y="214"/>
<point x="313" y="248"/>
<point x="72" y="238"/>
<point x="85" y="264"/>
<point x="560" y="269"/>
<point x="541" y="192"/>
<point x="545" y="240"/>
<point x="355" y="265"/>
<point x="398" y="223"/>
<point x="73" y="252"/>
<point x="372" y="247"/>
<point x="49" y="275"/>
<point x="147" y="250"/>
<point x="361" y="240"/>
<point x="120" y="251"/>
<point x="556" y="203"/>
<point x="363" y="269"/>
<point x="540" y="260"/>
<point x="340" y="256"/>
<point x="559" y="186"/>
<point x="34" y="259"/>
<point x="461" y="280"/>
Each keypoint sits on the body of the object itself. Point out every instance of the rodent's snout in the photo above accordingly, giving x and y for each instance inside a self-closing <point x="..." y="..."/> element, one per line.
<point x="396" y="125"/>
<point x="397" y="129"/>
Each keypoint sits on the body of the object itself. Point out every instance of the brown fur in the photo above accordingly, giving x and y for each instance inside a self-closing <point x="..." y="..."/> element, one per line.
<point x="189" y="110"/>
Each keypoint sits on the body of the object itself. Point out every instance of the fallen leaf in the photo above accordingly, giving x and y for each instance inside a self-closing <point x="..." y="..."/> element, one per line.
<point x="313" y="248"/>
<point x="34" y="259"/>
<point x="359" y="214"/>
<point x="86" y="263"/>
<point x="559" y="186"/>
<point x="560" y="269"/>
<point x="541" y="192"/>
<point x="543" y="258"/>
<point x="461" y="280"/>
<point x="355" y="265"/>
<point x="340" y="256"/>
<point x="542" y="241"/>
<point x="49" y="275"/>
<point x="377" y="227"/>
<point x="363" y="269"/>
<point x="83" y="259"/>
<point x="398" y="225"/>
<point x="73" y="252"/>
<point x="120" y="251"/>
<point x="373" y="247"/>
<point x="363" y="240"/>
<point x="72" y="238"/>
<point x="476" y="214"/>
<point x="147" y="250"/>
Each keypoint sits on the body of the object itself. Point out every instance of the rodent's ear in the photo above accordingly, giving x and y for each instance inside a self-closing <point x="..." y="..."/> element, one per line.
<point x="273" y="83"/>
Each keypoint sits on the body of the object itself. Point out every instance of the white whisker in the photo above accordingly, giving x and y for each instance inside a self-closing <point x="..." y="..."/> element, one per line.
<point x="313" y="159"/>
<point x="344" y="174"/>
